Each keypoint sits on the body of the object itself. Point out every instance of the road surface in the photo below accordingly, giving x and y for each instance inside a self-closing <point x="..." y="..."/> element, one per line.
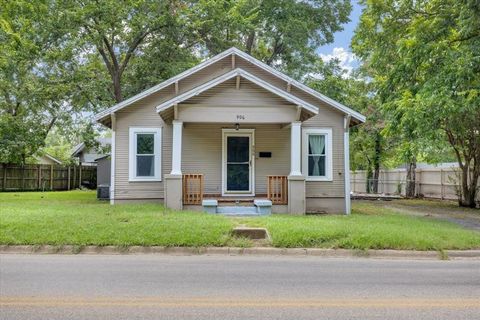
<point x="223" y="287"/>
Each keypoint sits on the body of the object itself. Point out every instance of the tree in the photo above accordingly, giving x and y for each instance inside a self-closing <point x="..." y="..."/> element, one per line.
<point x="113" y="34"/>
<point x="281" y="33"/>
<point x="60" y="60"/>
<point x="35" y="78"/>
<point x="424" y="60"/>
<point x="367" y="143"/>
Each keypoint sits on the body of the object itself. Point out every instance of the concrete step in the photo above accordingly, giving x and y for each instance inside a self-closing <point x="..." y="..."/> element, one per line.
<point x="237" y="210"/>
<point x="259" y="207"/>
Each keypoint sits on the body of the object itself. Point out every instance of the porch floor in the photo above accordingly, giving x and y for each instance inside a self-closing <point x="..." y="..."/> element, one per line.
<point x="234" y="200"/>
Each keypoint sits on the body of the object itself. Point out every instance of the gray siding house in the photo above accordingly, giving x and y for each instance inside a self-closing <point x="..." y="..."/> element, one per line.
<point x="232" y="130"/>
<point x="88" y="156"/>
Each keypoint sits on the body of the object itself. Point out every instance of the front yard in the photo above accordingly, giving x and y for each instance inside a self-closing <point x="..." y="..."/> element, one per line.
<point x="77" y="218"/>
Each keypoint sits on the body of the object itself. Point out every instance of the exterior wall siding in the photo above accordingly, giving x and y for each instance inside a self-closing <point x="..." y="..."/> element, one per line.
<point x="139" y="116"/>
<point x="202" y="153"/>
<point x="202" y="143"/>
<point x="336" y="187"/>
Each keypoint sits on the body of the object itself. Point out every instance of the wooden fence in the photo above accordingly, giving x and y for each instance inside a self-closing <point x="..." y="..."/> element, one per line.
<point x="33" y="177"/>
<point x="439" y="183"/>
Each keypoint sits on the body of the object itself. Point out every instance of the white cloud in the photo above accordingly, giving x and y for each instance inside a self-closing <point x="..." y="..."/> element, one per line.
<point x="347" y="60"/>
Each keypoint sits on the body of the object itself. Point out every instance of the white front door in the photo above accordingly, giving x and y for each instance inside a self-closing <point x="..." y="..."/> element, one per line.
<point x="238" y="162"/>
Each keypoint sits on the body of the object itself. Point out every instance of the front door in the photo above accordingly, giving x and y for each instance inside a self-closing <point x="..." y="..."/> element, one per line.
<point x="238" y="162"/>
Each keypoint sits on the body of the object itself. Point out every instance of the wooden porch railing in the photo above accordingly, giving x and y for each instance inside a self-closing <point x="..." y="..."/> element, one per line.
<point x="277" y="189"/>
<point x="192" y="188"/>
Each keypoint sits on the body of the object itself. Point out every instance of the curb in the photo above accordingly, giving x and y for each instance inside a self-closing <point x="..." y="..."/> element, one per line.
<point x="233" y="251"/>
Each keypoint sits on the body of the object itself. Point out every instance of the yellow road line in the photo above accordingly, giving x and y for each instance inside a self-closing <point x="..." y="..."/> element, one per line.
<point x="160" y="302"/>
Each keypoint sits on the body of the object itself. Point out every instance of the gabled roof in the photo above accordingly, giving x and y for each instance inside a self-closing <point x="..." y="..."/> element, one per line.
<point x="48" y="156"/>
<point x="232" y="74"/>
<point x="52" y="158"/>
<point x="79" y="147"/>
<point x="245" y="56"/>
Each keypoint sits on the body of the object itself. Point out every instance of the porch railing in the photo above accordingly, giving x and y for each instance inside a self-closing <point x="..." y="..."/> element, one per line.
<point x="192" y="188"/>
<point x="277" y="189"/>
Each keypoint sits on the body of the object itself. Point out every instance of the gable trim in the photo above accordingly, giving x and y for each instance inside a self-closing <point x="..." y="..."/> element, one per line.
<point x="218" y="57"/>
<point x="232" y="74"/>
<point x="162" y="85"/>
<point x="53" y="158"/>
<point x="300" y="85"/>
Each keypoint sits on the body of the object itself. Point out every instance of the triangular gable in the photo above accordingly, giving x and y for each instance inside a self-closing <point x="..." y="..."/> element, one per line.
<point x="232" y="52"/>
<point x="232" y="74"/>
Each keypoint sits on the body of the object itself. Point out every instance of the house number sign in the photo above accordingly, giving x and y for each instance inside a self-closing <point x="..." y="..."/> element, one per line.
<point x="240" y="117"/>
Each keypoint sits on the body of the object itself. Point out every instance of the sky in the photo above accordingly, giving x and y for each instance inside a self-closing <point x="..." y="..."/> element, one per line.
<point x="340" y="48"/>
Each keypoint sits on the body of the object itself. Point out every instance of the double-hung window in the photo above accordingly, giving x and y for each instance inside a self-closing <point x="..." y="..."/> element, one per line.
<point x="317" y="154"/>
<point x="145" y="154"/>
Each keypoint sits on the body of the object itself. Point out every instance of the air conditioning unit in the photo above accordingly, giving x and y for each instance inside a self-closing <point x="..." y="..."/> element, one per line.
<point x="103" y="192"/>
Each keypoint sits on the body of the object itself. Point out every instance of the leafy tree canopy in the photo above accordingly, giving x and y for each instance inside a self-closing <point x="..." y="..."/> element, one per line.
<point x="423" y="57"/>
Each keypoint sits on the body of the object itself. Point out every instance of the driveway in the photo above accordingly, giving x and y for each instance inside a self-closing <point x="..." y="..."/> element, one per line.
<point x="219" y="287"/>
<point x="435" y="209"/>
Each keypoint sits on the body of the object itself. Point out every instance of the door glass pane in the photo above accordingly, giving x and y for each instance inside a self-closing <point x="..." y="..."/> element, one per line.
<point x="238" y="177"/>
<point x="145" y="142"/>
<point x="238" y="149"/>
<point x="145" y="166"/>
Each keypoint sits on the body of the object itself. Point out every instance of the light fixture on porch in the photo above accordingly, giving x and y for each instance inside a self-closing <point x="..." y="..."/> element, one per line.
<point x="237" y="126"/>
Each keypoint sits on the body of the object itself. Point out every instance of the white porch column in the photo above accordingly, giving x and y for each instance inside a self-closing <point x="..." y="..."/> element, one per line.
<point x="177" y="147"/>
<point x="296" y="182"/>
<point x="173" y="181"/>
<point x="113" y="118"/>
<point x="346" y="158"/>
<point x="296" y="148"/>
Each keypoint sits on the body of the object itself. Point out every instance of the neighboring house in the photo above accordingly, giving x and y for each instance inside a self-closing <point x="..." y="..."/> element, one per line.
<point x="232" y="129"/>
<point x="46" y="159"/>
<point x="103" y="170"/>
<point x="87" y="156"/>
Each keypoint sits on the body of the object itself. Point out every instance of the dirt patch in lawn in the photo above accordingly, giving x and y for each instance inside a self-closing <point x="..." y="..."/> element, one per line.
<point x="435" y="209"/>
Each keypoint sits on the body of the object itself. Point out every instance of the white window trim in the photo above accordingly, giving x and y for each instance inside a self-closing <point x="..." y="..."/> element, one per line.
<point x="132" y="163"/>
<point x="328" y="153"/>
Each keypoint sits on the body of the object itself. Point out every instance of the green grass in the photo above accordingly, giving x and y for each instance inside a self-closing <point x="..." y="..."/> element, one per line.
<point x="369" y="227"/>
<point x="76" y="218"/>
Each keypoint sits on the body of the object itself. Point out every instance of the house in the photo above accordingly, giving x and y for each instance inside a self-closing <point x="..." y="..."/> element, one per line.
<point x="87" y="156"/>
<point x="232" y="130"/>
<point x="45" y="158"/>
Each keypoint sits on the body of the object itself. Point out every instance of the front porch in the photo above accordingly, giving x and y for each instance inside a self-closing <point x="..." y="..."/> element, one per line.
<point x="274" y="201"/>
<point x="236" y="167"/>
<point x="240" y="137"/>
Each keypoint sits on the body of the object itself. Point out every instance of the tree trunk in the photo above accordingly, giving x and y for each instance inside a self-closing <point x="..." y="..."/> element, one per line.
<point x="469" y="188"/>
<point x="376" y="162"/>
<point x="369" y="180"/>
<point x="411" y="179"/>
<point x="117" y="87"/>
<point x="250" y="41"/>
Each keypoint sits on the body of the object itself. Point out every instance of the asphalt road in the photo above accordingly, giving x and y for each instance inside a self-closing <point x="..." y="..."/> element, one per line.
<point x="222" y="287"/>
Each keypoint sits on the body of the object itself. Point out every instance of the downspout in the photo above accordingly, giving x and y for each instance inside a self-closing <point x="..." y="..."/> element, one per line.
<point x="346" y="158"/>
<point x="112" y="159"/>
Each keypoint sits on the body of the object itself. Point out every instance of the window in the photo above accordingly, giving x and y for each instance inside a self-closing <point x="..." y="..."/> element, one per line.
<point x="145" y="154"/>
<point x="317" y="154"/>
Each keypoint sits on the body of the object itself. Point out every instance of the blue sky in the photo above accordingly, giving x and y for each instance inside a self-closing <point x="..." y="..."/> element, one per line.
<point x="340" y="48"/>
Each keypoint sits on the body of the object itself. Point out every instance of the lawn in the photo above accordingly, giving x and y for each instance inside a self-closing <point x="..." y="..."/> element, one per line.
<point x="77" y="218"/>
